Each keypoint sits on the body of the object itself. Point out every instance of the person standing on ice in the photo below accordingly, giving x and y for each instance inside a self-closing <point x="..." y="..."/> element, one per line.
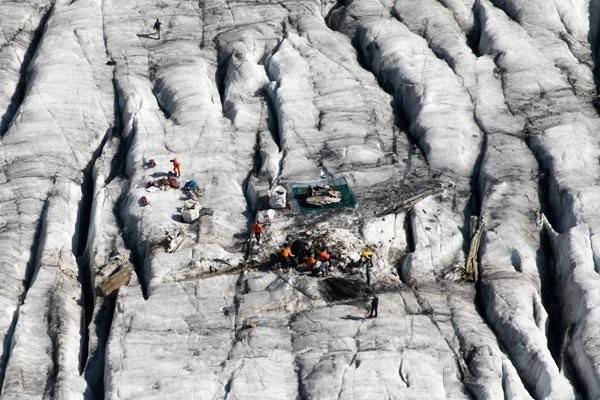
<point x="366" y="259"/>
<point x="258" y="230"/>
<point x="286" y="255"/>
<point x="374" y="305"/>
<point x="157" y="25"/>
<point x="176" y="167"/>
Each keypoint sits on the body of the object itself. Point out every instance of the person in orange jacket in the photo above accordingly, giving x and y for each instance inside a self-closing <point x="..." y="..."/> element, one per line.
<point x="258" y="230"/>
<point x="286" y="255"/>
<point x="310" y="262"/>
<point x="176" y="167"/>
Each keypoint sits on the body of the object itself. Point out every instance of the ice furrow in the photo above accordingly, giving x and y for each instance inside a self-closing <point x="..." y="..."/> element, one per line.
<point x="189" y="316"/>
<point x="104" y="250"/>
<point x="80" y="242"/>
<point x="64" y="137"/>
<point x="436" y="24"/>
<point x="30" y="272"/>
<point x="510" y="214"/>
<point x="56" y="349"/>
<point x="16" y="54"/>
<point x="247" y="104"/>
<point x="415" y="93"/>
<point x="317" y="132"/>
<point x="575" y="274"/>
<point x="547" y="93"/>
<point x="433" y="112"/>
<point x="473" y="70"/>
<point x="263" y="348"/>
<point x="189" y="94"/>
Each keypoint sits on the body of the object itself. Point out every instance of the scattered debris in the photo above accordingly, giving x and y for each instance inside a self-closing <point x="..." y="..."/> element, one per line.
<point x="113" y="283"/>
<point x="411" y="201"/>
<point x="194" y="194"/>
<point x="249" y="324"/>
<point x="472" y="266"/>
<point x="119" y="272"/>
<point x="252" y="249"/>
<point x="177" y="244"/>
<point x="172" y="241"/>
<point x="71" y="274"/>
<point x="336" y="289"/>
<point x="112" y="266"/>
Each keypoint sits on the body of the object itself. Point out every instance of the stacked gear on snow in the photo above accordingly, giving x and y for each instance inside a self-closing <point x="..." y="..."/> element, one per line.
<point x="191" y="190"/>
<point x="278" y="197"/>
<point x="164" y="183"/>
<point x="189" y="185"/>
<point x="173" y="183"/>
<point x="191" y="211"/>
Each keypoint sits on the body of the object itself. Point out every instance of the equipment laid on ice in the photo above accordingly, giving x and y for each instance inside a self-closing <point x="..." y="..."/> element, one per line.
<point x="191" y="190"/>
<point x="164" y="183"/>
<point x="323" y="195"/>
<point x="190" y="211"/>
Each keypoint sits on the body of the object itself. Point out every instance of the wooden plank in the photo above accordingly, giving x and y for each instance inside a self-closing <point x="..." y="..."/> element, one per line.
<point x="114" y="282"/>
<point x="411" y="201"/>
<point x="472" y="266"/>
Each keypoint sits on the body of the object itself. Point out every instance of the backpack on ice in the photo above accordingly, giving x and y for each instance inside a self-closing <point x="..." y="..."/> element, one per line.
<point x="190" y="185"/>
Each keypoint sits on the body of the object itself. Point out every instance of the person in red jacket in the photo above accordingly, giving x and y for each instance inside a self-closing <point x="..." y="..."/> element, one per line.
<point x="325" y="265"/>
<point x="324" y="256"/>
<point x="258" y="230"/>
<point x="176" y="167"/>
